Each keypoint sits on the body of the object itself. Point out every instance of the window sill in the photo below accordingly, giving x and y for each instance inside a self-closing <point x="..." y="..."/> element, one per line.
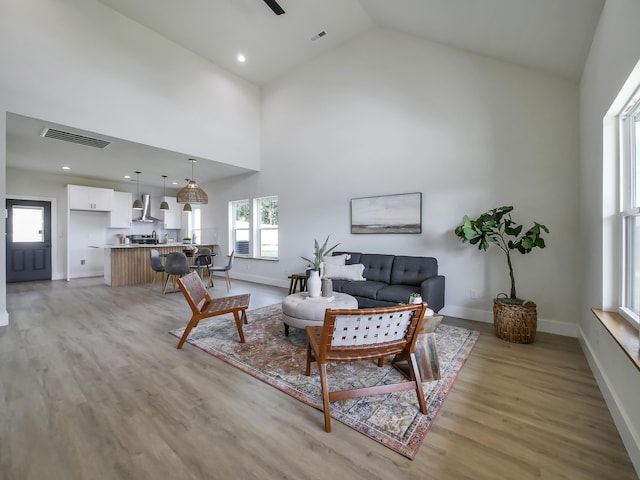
<point x="622" y="332"/>
<point x="266" y="259"/>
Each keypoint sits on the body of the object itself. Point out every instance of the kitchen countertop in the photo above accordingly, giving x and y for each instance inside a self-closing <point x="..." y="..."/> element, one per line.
<point x="144" y="245"/>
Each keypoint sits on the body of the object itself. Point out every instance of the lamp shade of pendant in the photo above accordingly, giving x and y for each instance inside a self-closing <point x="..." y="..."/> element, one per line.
<point x="186" y="208"/>
<point x="192" y="193"/>
<point x="164" y="205"/>
<point x="137" y="203"/>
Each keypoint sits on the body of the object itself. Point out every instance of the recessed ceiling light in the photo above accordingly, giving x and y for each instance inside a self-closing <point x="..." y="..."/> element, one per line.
<point x="174" y="183"/>
<point x="127" y="176"/>
<point x="64" y="167"/>
<point x="241" y="58"/>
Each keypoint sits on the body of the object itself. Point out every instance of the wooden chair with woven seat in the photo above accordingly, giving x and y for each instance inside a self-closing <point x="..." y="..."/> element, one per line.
<point x="366" y="334"/>
<point x="195" y="293"/>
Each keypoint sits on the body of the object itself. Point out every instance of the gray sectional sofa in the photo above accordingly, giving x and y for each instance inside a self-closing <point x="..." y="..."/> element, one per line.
<point x="390" y="279"/>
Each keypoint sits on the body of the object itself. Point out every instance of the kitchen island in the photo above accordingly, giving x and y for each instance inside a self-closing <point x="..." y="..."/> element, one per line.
<point x="130" y="264"/>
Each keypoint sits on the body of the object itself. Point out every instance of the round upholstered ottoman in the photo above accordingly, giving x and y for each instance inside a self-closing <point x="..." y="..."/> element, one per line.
<point x="300" y="310"/>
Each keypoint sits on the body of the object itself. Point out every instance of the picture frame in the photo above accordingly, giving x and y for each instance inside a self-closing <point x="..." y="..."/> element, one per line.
<point x="399" y="214"/>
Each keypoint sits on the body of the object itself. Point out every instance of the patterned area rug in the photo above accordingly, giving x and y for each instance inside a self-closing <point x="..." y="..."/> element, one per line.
<point x="394" y="419"/>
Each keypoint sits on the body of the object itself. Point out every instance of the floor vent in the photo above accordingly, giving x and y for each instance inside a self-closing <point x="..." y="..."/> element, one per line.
<point x="74" y="138"/>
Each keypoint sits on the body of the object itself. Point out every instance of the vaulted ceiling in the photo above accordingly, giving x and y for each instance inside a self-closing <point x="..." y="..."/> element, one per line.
<point x="549" y="35"/>
<point x="553" y="36"/>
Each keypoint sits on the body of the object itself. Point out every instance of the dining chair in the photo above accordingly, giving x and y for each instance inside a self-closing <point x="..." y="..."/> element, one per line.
<point x="175" y="266"/>
<point x="202" y="261"/>
<point x="366" y="334"/>
<point x="156" y="265"/>
<point x="224" y="269"/>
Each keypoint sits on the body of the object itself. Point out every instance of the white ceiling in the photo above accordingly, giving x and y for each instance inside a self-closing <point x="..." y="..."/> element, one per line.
<point x="550" y="35"/>
<point x="26" y="149"/>
<point x="553" y="36"/>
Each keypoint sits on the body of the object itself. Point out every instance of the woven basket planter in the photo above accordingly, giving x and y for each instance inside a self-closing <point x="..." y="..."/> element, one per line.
<point x="515" y="322"/>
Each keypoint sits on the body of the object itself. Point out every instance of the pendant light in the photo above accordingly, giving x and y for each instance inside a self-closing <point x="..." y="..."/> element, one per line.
<point x="137" y="203"/>
<point x="192" y="193"/>
<point x="164" y="205"/>
<point x="187" y="207"/>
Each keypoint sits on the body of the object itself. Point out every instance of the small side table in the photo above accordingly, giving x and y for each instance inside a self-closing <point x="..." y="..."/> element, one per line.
<point x="298" y="280"/>
<point x="425" y="350"/>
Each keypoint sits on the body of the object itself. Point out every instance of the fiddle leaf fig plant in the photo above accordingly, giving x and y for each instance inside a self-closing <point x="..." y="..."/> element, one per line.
<point x="497" y="227"/>
<point x="319" y="252"/>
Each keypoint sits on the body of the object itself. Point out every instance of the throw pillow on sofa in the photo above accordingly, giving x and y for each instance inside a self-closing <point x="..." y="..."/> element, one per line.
<point x="343" y="272"/>
<point x="336" y="259"/>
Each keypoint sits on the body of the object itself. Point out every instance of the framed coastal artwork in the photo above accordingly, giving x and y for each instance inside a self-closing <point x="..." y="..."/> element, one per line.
<point x="400" y="213"/>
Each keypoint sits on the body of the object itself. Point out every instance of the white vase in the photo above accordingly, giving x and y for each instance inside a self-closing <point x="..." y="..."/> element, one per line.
<point x="314" y="284"/>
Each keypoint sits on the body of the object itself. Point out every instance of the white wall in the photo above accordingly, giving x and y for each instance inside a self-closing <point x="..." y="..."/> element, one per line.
<point x="614" y="53"/>
<point x="79" y="63"/>
<point x="390" y="113"/>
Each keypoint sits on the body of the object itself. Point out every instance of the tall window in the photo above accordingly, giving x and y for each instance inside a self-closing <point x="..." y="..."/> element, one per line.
<point x="266" y="209"/>
<point x="194" y="224"/>
<point x="253" y="227"/>
<point x="239" y="228"/>
<point x="629" y="128"/>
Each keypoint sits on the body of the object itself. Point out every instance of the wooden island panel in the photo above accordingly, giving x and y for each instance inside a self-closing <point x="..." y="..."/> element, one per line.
<point x="132" y="265"/>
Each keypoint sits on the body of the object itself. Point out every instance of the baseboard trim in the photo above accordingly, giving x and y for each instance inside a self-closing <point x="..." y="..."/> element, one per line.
<point x="544" y="325"/>
<point x="630" y="438"/>
<point x="255" y="279"/>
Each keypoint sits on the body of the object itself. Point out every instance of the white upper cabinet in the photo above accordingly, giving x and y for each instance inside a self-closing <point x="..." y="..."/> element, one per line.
<point x="121" y="214"/>
<point x="89" y="198"/>
<point x="172" y="218"/>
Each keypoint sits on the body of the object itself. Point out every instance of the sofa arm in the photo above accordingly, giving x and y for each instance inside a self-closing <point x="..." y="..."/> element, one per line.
<point x="432" y="291"/>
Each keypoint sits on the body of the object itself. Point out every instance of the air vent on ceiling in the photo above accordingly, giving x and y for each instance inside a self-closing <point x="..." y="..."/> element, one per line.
<point x="318" y="36"/>
<point x="74" y="138"/>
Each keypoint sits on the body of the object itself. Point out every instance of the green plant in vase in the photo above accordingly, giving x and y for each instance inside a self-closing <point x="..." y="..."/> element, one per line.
<point x="319" y="251"/>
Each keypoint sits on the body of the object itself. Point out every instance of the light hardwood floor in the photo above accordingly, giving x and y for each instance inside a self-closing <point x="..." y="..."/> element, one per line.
<point x="93" y="387"/>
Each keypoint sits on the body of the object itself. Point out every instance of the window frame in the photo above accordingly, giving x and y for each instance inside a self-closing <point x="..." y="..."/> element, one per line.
<point x="255" y="228"/>
<point x="629" y="208"/>
<point x="260" y="227"/>
<point x="233" y="229"/>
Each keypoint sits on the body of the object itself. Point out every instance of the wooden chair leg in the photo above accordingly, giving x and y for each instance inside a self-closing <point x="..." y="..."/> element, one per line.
<point x="309" y="356"/>
<point x="166" y="282"/>
<point x="239" y="325"/>
<point x="226" y="274"/>
<point x="413" y="365"/>
<point x="325" y="396"/>
<point x="190" y="326"/>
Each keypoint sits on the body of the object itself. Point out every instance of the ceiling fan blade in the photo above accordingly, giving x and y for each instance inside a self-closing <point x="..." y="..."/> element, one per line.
<point x="273" y="5"/>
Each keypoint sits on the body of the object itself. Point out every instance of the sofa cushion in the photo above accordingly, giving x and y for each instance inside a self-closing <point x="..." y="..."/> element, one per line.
<point x="346" y="272"/>
<point x="412" y="270"/>
<point x="377" y="267"/>
<point x="337" y="284"/>
<point x="367" y="289"/>
<point x="396" y="293"/>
